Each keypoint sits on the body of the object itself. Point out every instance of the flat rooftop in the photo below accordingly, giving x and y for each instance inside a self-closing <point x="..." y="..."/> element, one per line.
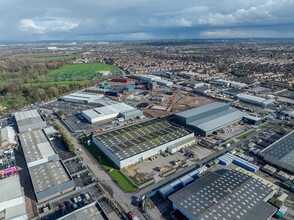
<point x="12" y="199"/>
<point x="281" y="152"/>
<point x="201" y="109"/>
<point x="48" y="175"/>
<point x="35" y="145"/>
<point x="10" y="188"/>
<point x="89" y="212"/>
<point x="132" y="140"/>
<point x="233" y="195"/>
<point x="83" y="96"/>
<point x="219" y="120"/>
<point x="28" y="117"/>
<point x="108" y="110"/>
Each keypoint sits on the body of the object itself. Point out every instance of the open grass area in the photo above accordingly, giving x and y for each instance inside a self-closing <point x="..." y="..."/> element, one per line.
<point x="246" y="134"/>
<point x="115" y="173"/>
<point x="86" y="70"/>
<point x="61" y="83"/>
<point x="52" y="58"/>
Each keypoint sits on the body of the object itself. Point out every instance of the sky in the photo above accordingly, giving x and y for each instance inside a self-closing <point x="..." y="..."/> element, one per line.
<point x="108" y="20"/>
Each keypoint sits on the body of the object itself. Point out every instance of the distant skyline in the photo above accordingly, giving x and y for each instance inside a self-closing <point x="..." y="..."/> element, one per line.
<point x="108" y="20"/>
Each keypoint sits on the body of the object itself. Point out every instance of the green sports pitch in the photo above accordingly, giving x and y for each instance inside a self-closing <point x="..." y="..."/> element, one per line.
<point x="87" y="71"/>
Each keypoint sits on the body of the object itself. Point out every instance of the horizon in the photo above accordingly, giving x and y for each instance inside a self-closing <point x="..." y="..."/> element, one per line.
<point x="145" y="20"/>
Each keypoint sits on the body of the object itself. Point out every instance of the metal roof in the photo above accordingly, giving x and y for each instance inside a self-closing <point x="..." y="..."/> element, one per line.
<point x="233" y="195"/>
<point x="219" y="120"/>
<point x="28" y="117"/>
<point x="7" y="135"/>
<point x="201" y="109"/>
<point x="113" y="109"/>
<point x="12" y="198"/>
<point x="35" y="145"/>
<point x="281" y="152"/>
<point x="48" y="175"/>
<point x="88" y="212"/>
<point x="129" y="141"/>
<point x="83" y="96"/>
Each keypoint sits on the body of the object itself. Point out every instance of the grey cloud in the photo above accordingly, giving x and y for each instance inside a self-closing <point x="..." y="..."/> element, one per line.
<point x="143" y="19"/>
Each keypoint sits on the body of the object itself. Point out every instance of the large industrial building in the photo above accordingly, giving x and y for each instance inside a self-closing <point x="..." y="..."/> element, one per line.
<point x="7" y="138"/>
<point x="36" y="148"/>
<point x="29" y="120"/>
<point x="209" y="118"/>
<point x="12" y="200"/>
<point x="129" y="145"/>
<point x="111" y="111"/>
<point x="230" y="195"/>
<point x="280" y="153"/>
<point x="50" y="179"/>
<point x="81" y="97"/>
<point x="255" y="100"/>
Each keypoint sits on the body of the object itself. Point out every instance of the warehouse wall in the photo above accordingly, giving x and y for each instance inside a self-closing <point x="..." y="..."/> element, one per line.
<point x="139" y="157"/>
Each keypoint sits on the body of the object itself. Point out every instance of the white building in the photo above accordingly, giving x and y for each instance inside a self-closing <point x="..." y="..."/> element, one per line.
<point x="12" y="200"/>
<point x="81" y="97"/>
<point x="106" y="112"/>
<point x="149" y="78"/>
<point x="7" y="138"/>
<point x="29" y="120"/>
<point x="135" y="143"/>
<point x="255" y="100"/>
<point x="36" y="148"/>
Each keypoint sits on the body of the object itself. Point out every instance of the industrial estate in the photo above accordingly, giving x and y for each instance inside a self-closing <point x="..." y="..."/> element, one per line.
<point x="179" y="138"/>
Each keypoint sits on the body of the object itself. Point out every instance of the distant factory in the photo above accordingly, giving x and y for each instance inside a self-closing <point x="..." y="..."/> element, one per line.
<point x="206" y="119"/>
<point x="133" y="144"/>
<point x="254" y="100"/>
<point x="157" y="79"/>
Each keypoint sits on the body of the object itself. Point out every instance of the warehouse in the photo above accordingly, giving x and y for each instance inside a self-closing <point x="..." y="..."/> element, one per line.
<point x="149" y="78"/>
<point x="280" y="153"/>
<point x="209" y="118"/>
<point x="31" y="119"/>
<point x="254" y="100"/>
<point x="81" y="97"/>
<point x="108" y="112"/>
<point x="130" y="115"/>
<point x="135" y="143"/>
<point x="235" y="194"/>
<point x="7" y="138"/>
<point x="12" y="199"/>
<point x="250" y="119"/>
<point x="36" y="148"/>
<point x="50" y="180"/>
<point x="163" y="82"/>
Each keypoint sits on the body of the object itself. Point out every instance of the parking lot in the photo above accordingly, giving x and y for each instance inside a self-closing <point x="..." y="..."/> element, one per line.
<point x="72" y="203"/>
<point x="61" y="149"/>
<point x="177" y="160"/>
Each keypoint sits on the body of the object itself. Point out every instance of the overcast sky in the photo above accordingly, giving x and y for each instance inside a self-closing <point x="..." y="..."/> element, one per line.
<point x="33" y="20"/>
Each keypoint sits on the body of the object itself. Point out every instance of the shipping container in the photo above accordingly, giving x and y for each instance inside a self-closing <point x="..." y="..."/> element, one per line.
<point x="176" y="184"/>
<point x="194" y="173"/>
<point x="185" y="180"/>
<point x="166" y="190"/>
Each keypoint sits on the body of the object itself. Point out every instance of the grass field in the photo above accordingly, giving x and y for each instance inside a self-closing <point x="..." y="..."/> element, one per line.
<point x="52" y="58"/>
<point x="116" y="174"/>
<point x="88" y="71"/>
<point x="61" y="83"/>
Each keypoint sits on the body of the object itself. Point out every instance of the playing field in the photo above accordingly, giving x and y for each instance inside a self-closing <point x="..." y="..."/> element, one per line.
<point x="86" y="71"/>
